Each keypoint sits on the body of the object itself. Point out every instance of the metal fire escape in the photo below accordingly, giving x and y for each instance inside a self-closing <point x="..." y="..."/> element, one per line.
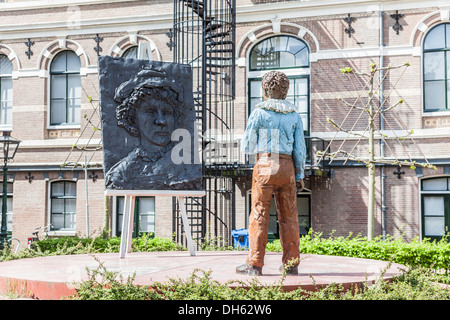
<point x="204" y="37"/>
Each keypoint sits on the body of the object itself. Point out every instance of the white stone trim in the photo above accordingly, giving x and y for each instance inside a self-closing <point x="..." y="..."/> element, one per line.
<point x="418" y="134"/>
<point x="91" y="26"/>
<point x="79" y="52"/>
<point x="364" y="52"/>
<point x="445" y="14"/>
<point x="45" y="53"/>
<point x="304" y="4"/>
<point x="57" y="143"/>
<point x="12" y="55"/>
<point x="251" y="34"/>
<point x="26" y="73"/>
<point x="133" y="37"/>
<point x="422" y="27"/>
<point x="301" y="33"/>
<point x="134" y="40"/>
<point x="62" y="42"/>
<point x="41" y="4"/>
<point x="276" y="25"/>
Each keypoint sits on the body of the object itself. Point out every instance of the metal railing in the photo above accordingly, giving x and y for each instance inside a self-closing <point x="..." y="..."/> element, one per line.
<point x="242" y="164"/>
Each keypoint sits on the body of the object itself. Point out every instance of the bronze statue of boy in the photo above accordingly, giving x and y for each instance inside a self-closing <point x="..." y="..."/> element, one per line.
<point x="275" y="135"/>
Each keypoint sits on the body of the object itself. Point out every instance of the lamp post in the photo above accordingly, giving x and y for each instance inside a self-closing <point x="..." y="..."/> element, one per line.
<point x="8" y="148"/>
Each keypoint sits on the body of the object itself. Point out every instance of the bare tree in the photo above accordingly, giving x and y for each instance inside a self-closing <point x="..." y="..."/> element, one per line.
<point x="371" y="105"/>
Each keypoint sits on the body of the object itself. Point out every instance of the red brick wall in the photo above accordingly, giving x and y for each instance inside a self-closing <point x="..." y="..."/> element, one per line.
<point x="339" y="203"/>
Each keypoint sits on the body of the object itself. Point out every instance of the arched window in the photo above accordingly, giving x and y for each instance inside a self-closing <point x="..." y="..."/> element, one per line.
<point x="65" y="89"/>
<point x="63" y="198"/>
<point x="6" y="91"/>
<point x="291" y="56"/>
<point x="142" y="51"/>
<point x="131" y="52"/>
<point x="435" y="197"/>
<point x="436" y="69"/>
<point x="287" y="54"/>
<point x="279" y="52"/>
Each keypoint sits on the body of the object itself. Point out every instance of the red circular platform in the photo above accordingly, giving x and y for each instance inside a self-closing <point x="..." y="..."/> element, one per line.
<point x="52" y="277"/>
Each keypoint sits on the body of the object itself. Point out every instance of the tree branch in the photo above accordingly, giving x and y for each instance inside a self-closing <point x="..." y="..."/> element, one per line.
<point x="344" y="130"/>
<point x="350" y="105"/>
<point x="393" y="106"/>
<point x="411" y="164"/>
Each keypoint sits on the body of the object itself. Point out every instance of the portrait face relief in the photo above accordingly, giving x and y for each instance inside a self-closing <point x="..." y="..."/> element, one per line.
<point x="142" y="103"/>
<point x="156" y="122"/>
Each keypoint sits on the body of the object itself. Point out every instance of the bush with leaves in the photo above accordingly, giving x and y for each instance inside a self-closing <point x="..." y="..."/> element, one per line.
<point x="424" y="253"/>
<point x="415" y="284"/>
<point x="143" y="243"/>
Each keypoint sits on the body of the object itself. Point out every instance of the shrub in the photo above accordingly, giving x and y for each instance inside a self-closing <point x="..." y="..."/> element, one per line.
<point x="427" y="261"/>
<point x="416" y="284"/>
<point x="425" y="253"/>
<point x="102" y="284"/>
<point x="74" y="245"/>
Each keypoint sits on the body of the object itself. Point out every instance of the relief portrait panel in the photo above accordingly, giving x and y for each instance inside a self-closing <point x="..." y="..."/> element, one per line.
<point x="143" y="105"/>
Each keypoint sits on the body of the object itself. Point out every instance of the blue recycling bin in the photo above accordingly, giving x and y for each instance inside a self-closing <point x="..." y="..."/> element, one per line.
<point x="240" y="237"/>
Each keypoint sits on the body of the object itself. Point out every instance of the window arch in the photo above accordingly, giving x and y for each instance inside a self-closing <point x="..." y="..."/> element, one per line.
<point x="436" y="68"/>
<point x="290" y="55"/>
<point x="6" y="91"/>
<point x="279" y="52"/>
<point x="63" y="198"/>
<point x="131" y="52"/>
<point x="65" y="89"/>
<point x="435" y="197"/>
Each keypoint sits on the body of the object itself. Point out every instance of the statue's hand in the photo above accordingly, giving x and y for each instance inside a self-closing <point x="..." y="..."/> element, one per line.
<point x="300" y="185"/>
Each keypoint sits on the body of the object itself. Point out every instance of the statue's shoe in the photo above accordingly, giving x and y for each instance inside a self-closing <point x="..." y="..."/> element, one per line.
<point x="290" y="271"/>
<point x="249" y="270"/>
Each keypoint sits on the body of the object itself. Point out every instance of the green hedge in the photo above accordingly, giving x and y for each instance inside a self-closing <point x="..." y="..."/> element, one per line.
<point x="424" y="253"/>
<point x="74" y="245"/>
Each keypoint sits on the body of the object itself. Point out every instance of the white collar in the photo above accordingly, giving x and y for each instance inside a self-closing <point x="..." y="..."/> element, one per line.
<point x="277" y="105"/>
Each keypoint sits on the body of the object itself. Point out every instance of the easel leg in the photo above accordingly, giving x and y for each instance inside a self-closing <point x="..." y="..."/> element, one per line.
<point x="131" y="223"/>
<point x="187" y="228"/>
<point x="125" y="227"/>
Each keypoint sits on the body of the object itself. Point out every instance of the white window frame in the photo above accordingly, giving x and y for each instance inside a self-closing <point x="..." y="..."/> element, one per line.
<point x="248" y="205"/>
<point x="422" y="52"/>
<point x="115" y="217"/>
<point x="70" y="233"/>
<point x="8" y="126"/>
<point x="9" y="211"/>
<point x="432" y="192"/>
<point x="51" y="126"/>
<point x="290" y="72"/>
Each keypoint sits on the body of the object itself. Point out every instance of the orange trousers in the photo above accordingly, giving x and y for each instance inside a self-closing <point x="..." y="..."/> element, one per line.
<point x="273" y="174"/>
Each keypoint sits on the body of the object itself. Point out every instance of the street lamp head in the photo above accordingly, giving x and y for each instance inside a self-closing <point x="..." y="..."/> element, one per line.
<point x="8" y="146"/>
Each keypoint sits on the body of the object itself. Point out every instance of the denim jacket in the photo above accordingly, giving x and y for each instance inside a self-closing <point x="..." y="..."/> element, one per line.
<point x="275" y="127"/>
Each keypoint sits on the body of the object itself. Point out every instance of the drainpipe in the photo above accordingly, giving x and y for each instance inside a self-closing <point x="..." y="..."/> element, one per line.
<point x="383" y="173"/>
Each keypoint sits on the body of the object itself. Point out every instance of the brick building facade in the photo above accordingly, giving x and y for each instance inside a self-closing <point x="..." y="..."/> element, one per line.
<point x="49" y="46"/>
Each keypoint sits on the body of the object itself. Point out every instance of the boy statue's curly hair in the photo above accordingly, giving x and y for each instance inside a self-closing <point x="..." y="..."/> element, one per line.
<point x="275" y="85"/>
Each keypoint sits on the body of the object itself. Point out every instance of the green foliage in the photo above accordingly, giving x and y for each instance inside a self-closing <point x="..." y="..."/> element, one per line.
<point x="102" y="284"/>
<point x="424" y="253"/>
<point x="75" y="245"/>
<point x="346" y="70"/>
<point x="427" y="264"/>
<point x="415" y="284"/>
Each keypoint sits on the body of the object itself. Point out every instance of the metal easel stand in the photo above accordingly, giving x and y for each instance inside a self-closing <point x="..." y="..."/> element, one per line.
<point x="128" y="213"/>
